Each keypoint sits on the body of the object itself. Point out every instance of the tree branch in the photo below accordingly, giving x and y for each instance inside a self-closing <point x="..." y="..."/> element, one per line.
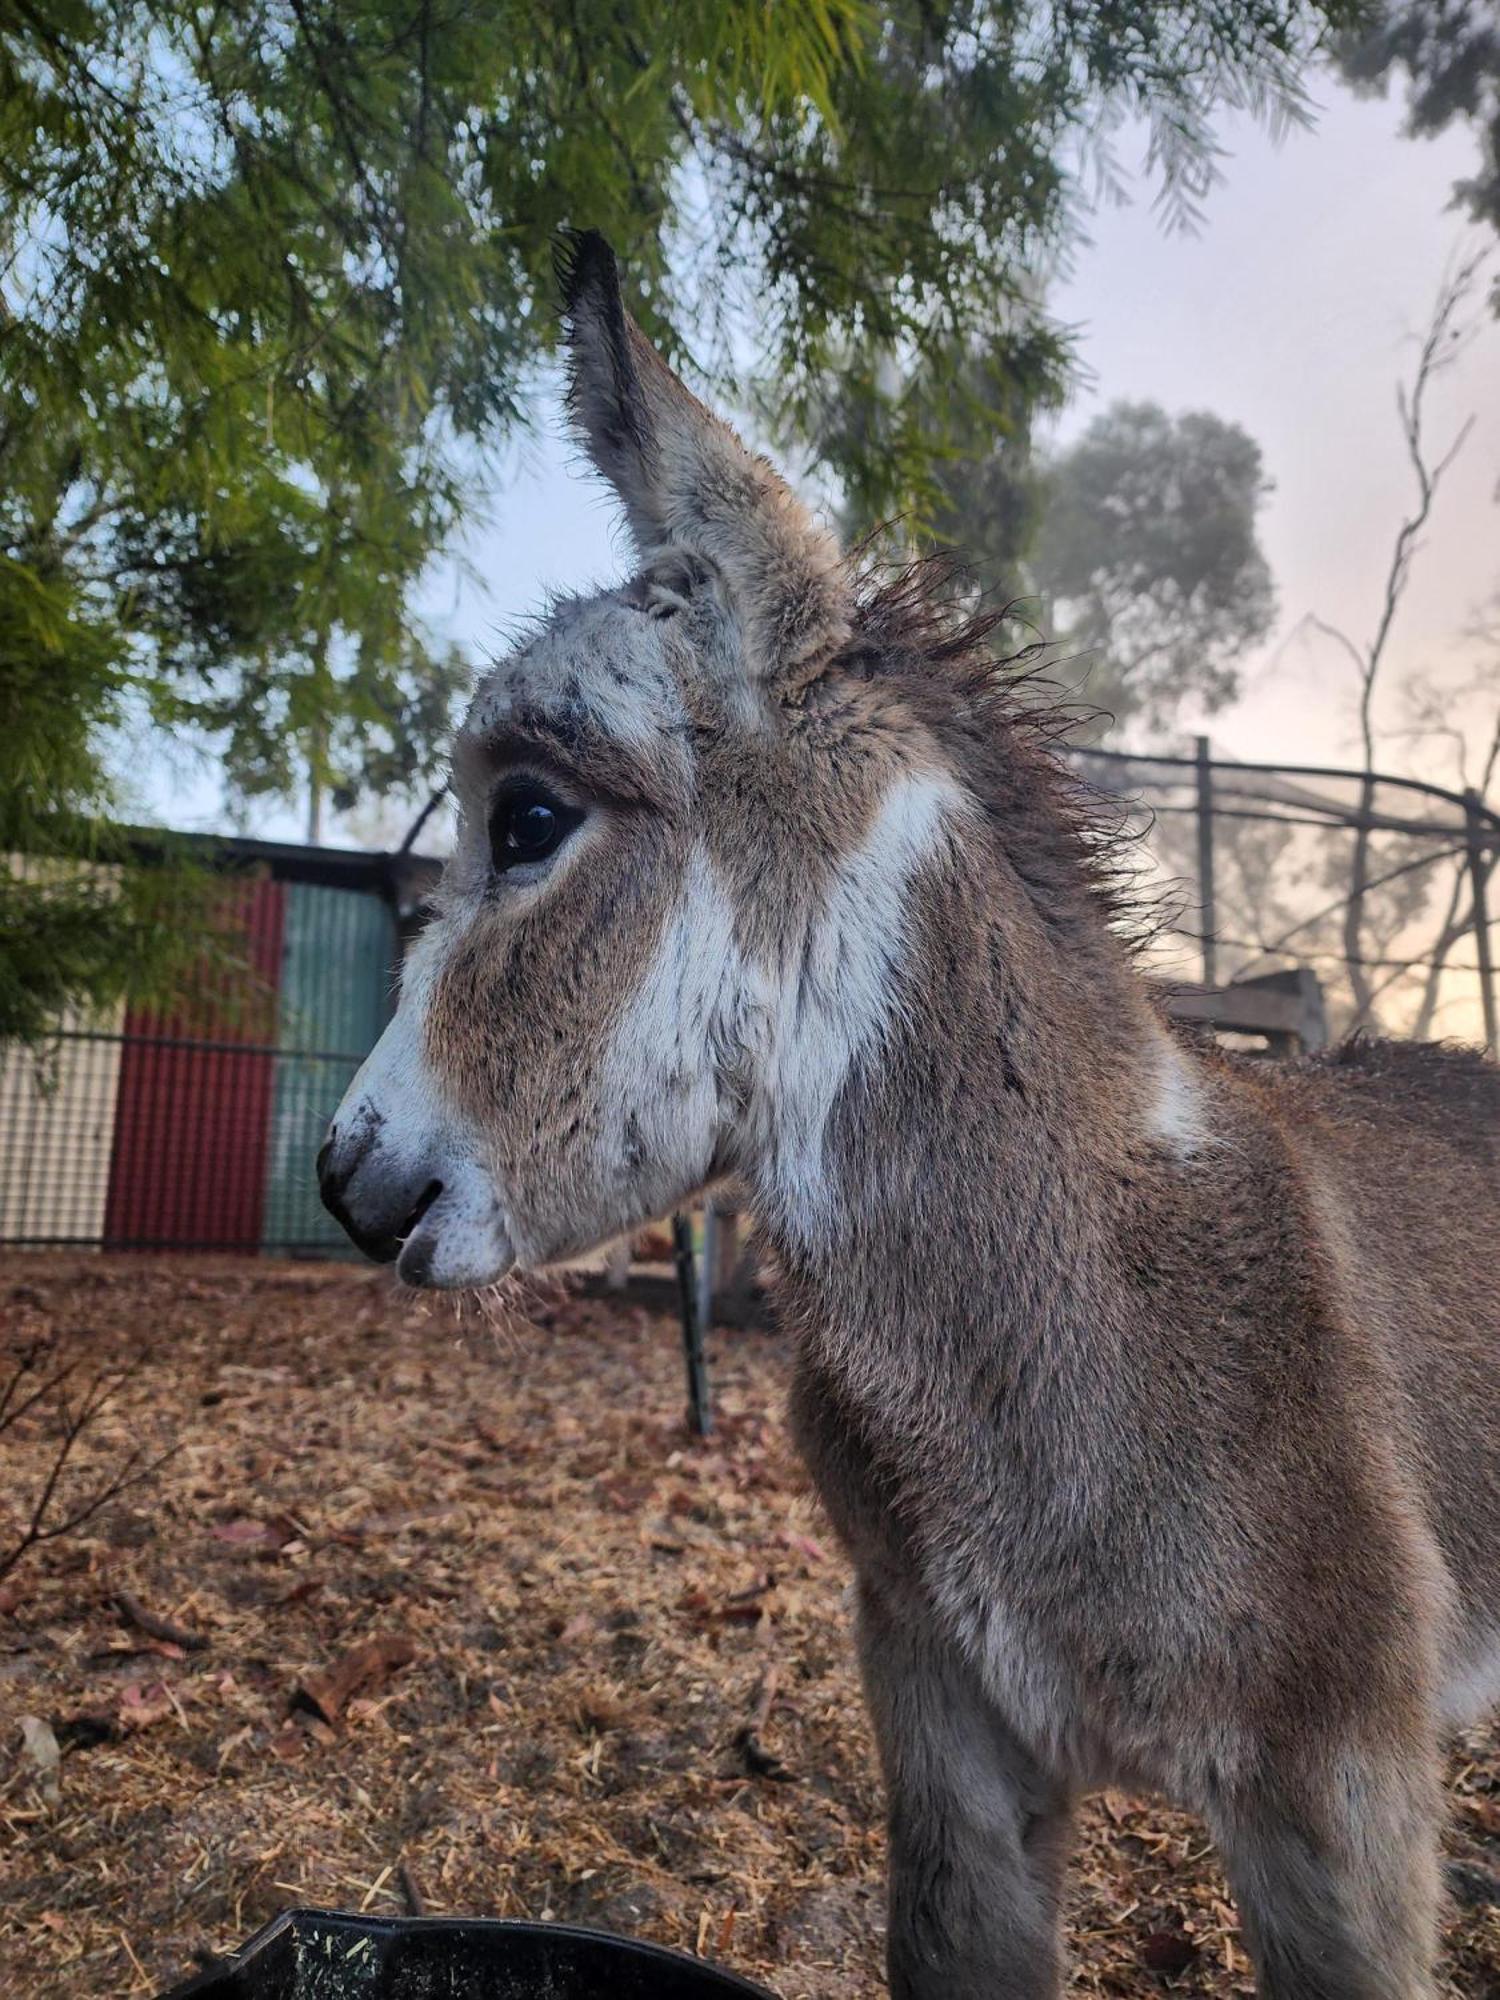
<point x="75" y="1420"/>
<point x="1436" y="353"/>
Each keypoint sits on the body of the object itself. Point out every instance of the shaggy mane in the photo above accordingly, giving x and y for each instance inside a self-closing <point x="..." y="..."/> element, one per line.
<point x="1006" y="726"/>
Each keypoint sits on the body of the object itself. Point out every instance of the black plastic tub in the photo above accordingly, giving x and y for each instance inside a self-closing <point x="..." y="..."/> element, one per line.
<point x="320" y="1955"/>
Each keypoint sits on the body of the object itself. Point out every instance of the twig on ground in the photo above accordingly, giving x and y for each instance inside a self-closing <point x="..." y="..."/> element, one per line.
<point x="416" y="1903"/>
<point x="133" y="1612"/>
<point x="21" y="1394"/>
<point x="760" y="1762"/>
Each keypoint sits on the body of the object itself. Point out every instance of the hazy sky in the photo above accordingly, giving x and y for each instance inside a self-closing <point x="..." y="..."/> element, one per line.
<point x="1292" y="311"/>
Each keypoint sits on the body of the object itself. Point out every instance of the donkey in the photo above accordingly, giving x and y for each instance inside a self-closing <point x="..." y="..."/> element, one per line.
<point x="1152" y="1391"/>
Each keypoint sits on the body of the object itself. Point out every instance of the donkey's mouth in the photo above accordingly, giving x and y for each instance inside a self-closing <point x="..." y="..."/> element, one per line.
<point x="437" y="1218"/>
<point x="455" y="1244"/>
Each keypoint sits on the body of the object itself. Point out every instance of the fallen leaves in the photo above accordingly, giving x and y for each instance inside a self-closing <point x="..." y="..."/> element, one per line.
<point x="139" y="1705"/>
<point x="144" y="1704"/>
<point x="757" y="1601"/>
<point x="325" y="1694"/>
<point x="624" y="1640"/>
<point x="254" y="1537"/>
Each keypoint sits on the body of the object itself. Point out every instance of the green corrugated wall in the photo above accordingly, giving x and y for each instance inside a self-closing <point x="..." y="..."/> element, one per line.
<point x="337" y="971"/>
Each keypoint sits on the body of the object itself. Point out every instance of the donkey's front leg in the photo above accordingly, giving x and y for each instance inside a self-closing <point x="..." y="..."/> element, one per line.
<point x="1334" y="1862"/>
<point x="978" y="1832"/>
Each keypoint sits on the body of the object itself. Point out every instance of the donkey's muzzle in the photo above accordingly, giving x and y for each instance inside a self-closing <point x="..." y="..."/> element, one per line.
<point x="377" y="1205"/>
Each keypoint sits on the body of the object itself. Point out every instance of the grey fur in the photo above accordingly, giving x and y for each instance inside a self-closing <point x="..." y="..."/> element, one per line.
<point x="1153" y="1392"/>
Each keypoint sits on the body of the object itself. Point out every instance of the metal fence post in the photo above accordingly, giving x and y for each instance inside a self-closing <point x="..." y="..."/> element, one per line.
<point x="700" y="1410"/>
<point x="1208" y="915"/>
<point x="1479" y="872"/>
<point x="708" y="1266"/>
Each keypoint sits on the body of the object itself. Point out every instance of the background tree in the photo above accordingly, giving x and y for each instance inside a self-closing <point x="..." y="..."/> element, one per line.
<point x="1135" y="548"/>
<point x="1148" y="556"/>
<point x="75" y="918"/>
<point x="1448" y="51"/>
<point x="1442" y="341"/>
<point x="275" y="283"/>
<point x="1383" y="914"/>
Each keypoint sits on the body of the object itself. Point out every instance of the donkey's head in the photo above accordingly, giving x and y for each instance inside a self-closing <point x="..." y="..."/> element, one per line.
<point x="688" y="825"/>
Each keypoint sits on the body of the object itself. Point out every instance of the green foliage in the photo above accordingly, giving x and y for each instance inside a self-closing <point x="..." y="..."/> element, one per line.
<point x="1135" y="549"/>
<point x="274" y="271"/>
<point x="1148" y="554"/>
<point x="1449" y="54"/>
<point x="275" y="282"/>
<point x="215" y="432"/>
<point x="892" y="255"/>
<point x="107" y="932"/>
<point x="76" y="918"/>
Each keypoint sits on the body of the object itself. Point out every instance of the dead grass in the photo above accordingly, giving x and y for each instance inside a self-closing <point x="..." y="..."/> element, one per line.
<point x="590" y="1603"/>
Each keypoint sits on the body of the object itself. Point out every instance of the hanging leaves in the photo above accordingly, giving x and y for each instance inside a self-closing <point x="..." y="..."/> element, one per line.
<point x="276" y="283"/>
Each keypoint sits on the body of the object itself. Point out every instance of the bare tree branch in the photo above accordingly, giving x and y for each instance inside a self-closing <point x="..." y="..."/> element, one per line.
<point x="28" y="1388"/>
<point x="1453" y="929"/>
<point x="1442" y="343"/>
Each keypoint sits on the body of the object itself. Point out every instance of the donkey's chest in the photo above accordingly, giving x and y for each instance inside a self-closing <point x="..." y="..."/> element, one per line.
<point x="1090" y="1684"/>
<point x="1069" y="1609"/>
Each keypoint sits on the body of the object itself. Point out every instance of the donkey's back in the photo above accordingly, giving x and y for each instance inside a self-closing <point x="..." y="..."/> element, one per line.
<point x="1401" y="1145"/>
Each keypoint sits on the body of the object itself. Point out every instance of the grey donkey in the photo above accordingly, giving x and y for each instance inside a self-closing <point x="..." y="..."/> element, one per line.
<point x="1153" y="1391"/>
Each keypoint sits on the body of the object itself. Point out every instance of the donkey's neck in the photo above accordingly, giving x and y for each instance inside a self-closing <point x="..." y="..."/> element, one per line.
<point x="979" y="1159"/>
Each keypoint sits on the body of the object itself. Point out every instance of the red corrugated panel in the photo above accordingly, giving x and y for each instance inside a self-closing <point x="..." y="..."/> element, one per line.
<point x="193" y="1110"/>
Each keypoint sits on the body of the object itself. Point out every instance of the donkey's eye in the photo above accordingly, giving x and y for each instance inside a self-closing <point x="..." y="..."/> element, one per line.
<point x="528" y="823"/>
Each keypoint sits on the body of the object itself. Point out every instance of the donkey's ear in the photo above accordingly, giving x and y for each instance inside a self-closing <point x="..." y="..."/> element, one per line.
<point x="609" y="405"/>
<point x="686" y="480"/>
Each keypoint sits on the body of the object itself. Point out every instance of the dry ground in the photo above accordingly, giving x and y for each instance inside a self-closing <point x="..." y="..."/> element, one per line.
<point x="591" y="1602"/>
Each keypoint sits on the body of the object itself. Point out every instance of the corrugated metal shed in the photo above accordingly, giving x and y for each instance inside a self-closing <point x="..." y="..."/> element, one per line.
<point x="194" y="1099"/>
<point x="337" y="970"/>
<point x="198" y="1128"/>
<point x="57" y="1109"/>
<point x="57" y="1124"/>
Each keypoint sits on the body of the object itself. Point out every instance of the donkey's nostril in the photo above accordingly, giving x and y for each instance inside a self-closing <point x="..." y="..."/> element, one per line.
<point x="368" y="1196"/>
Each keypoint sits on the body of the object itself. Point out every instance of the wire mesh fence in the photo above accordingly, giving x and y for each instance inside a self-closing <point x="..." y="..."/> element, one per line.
<point x="142" y="1142"/>
<point x="1380" y="885"/>
<point x="199" y="1130"/>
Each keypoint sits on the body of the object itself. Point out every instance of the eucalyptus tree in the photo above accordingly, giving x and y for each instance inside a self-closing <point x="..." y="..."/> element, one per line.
<point x="275" y="288"/>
